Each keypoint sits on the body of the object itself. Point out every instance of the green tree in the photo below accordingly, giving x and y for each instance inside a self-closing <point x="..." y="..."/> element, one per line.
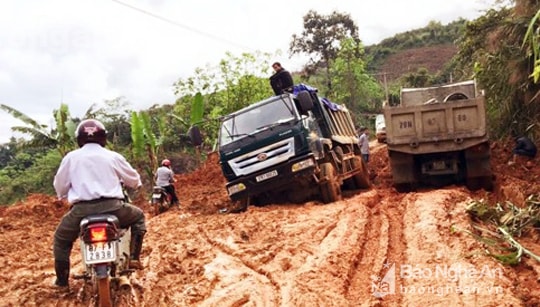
<point x="493" y="50"/>
<point x="233" y="84"/>
<point x="420" y="78"/>
<point x="115" y="115"/>
<point x="321" y="39"/>
<point x="28" y="174"/>
<point x="352" y="84"/>
<point x="8" y="152"/>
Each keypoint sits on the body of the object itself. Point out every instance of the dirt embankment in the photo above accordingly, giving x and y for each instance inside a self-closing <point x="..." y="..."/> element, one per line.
<point x="374" y="248"/>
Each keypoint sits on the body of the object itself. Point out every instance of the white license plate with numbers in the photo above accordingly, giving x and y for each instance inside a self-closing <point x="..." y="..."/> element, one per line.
<point x="266" y="176"/>
<point x="99" y="252"/>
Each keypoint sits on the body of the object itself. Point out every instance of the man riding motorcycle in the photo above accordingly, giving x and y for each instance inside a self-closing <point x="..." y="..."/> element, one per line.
<point x="164" y="178"/>
<point x="91" y="179"/>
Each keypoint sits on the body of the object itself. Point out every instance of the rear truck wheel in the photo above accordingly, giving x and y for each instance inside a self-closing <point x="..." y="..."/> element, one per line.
<point x="329" y="187"/>
<point x="403" y="171"/>
<point x="477" y="183"/>
<point x="404" y="187"/>
<point x="104" y="292"/>
<point x="478" y="173"/>
<point x="361" y="177"/>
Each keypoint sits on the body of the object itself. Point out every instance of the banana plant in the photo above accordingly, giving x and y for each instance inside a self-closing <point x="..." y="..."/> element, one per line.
<point x="196" y="117"/>
<point x="61" y="138"/>
<point x="145" y="141"/>
<point x="196" y="114"/>
<point x="532" y="41"/>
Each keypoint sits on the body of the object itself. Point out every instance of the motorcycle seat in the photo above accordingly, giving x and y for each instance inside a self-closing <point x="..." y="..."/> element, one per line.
<point x="100" y="218"/>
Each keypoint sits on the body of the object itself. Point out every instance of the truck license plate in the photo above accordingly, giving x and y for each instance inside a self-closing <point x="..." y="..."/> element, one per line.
<point x="99" y="252"/>
<point x="266" y="176"/>
<point x="439" y="165"/>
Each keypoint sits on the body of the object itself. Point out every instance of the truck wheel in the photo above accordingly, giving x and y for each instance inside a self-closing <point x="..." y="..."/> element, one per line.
<point x="478" y="172"/>
<point x="240" y="205"/>
<point x="477" y="183"/>
<point x="404" y="187"/>
<point x="403" y="171"/>
<point x="361" y="178"/>
<point x="330" y="188"/>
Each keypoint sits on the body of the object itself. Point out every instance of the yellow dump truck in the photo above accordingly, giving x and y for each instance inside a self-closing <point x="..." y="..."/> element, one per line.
<point x="438" y="136"/>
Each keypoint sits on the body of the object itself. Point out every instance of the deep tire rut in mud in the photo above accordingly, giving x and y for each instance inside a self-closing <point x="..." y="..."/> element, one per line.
<point x="383" y="246"/>
<point x="373" y="251"/>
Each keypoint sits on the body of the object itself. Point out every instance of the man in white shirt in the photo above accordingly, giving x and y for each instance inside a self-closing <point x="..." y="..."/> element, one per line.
<point x="91" y="179"/>
<point x="364" y="144"/>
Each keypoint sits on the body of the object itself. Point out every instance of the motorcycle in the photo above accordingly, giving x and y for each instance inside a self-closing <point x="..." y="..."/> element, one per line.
<point x="105" y="250"/>
<point x="161" y="200"/>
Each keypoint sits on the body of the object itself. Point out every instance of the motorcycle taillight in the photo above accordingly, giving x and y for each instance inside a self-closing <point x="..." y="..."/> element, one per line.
<point x="99" y="232"/>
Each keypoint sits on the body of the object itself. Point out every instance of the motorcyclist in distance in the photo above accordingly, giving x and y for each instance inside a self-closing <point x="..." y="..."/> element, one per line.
<point x="164" y="178"/>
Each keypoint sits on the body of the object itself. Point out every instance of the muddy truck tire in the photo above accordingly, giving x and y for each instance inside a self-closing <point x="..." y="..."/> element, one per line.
<point x="330" y="187"/>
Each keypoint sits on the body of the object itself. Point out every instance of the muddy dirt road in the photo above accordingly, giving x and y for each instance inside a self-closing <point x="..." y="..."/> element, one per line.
<point x="374" y="248"/>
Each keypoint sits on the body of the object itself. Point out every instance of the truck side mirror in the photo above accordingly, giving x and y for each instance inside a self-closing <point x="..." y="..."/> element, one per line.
<point x="305" y="102"/>
<point x="195" y="136"/>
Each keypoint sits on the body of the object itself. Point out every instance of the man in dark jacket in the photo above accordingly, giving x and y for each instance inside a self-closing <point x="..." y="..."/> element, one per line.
<point x="524" y="147"/>
<point x="281" y="81"/>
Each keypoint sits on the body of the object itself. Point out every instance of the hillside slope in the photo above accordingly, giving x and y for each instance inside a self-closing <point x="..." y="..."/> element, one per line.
<point x="432" y="58"/>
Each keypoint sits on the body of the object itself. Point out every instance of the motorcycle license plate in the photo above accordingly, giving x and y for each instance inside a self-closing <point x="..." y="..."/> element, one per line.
<point x="99" y="252"/>
<point x="156" y="195"/>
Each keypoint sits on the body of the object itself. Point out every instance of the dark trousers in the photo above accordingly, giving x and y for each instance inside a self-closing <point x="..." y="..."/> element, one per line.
<point x="172" y="191"/>
<point x="524" y="152"/>
<point x="68" y="230"/>
<point x="365" y="157"/>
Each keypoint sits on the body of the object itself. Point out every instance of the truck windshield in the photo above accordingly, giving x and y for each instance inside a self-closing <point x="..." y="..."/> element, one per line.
<point x="257" y="117"/>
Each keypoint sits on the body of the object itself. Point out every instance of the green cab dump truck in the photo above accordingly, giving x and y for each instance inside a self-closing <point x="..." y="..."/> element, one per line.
<point x="290" y="147"/>
<point x="438" y="136"/>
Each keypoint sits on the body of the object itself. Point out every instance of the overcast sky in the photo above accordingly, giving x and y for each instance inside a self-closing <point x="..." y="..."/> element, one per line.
<point x="81" y="52"/>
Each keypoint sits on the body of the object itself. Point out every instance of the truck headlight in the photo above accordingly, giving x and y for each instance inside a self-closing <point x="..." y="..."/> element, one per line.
<point x="302" y="165"/>
<point x="236" y="188"/>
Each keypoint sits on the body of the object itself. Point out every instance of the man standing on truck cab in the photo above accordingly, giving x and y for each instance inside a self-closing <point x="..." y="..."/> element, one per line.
<point x="364" y="143"/>
<point x="281" y="81"/>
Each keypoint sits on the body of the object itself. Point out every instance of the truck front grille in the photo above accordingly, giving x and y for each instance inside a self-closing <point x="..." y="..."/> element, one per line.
<point x="263" y="157"/>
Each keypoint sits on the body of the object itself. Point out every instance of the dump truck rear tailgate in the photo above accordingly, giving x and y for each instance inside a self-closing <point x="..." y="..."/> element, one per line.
<point x="448" y="126"/>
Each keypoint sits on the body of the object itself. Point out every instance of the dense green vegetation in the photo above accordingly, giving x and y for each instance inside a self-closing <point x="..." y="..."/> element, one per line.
<point x="499" y="49"/>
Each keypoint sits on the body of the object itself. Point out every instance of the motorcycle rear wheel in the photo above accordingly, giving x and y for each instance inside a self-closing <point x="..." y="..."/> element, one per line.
<point x="104" y="292"/>
<point x="157" y="209"/>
